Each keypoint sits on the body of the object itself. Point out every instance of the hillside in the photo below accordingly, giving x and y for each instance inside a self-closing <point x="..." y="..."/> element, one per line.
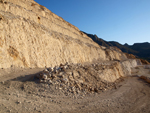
<point x="47" y="65"/>
<point x="32" y="36"/>
<point x="141" y="50"/>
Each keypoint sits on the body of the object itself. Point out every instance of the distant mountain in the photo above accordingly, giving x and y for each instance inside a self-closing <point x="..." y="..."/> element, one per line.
<point x="141" y="50"/>
<point x="123" y="48"/>
<point x="98" y="40"/>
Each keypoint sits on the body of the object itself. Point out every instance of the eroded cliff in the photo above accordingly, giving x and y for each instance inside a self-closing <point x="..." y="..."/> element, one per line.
<point x="33" y="36"/>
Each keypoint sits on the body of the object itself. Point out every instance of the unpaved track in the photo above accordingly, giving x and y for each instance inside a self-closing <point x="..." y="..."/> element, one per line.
<point x="24" y="95"/>
<point x="131" y="96"/>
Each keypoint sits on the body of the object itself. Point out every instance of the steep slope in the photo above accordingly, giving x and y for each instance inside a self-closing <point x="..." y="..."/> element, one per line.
<point x="32" y="36"/>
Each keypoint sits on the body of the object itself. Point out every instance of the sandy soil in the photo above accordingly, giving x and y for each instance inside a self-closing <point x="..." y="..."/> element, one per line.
<point x="24" y="95"/>
<point x="141" y="70"/>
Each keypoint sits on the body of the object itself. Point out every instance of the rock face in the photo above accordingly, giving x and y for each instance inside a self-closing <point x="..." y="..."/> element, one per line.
<point x="32" y="36"/>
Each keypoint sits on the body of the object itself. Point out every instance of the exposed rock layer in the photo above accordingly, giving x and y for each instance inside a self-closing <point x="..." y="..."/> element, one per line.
<point x="33" y="36"/>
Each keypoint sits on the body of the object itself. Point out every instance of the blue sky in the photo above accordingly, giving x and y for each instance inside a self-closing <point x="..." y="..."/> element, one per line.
<point x="125" y="21"/>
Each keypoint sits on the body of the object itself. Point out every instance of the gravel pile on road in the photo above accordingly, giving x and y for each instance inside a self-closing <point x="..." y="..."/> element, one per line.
<point x="76" y="78"/>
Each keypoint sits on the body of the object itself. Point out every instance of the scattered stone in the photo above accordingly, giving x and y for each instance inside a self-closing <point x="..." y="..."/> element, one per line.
<point x="45" y="77"/>
<point x="3" y="82"/>
<point x="70" y="78"/>
<point x="18" y="102"/>
<point x="50" y="82"/>
<point x="35" y="108"/>
<point x="9" y="110"/>
<point x="76" y="78"/>
<point x="64" y="80"/>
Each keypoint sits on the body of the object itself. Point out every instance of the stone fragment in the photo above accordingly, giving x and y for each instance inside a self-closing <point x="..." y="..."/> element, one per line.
<point x="64" y="80"/>
<point x="70" y="78"/>
<point x="45" y="77"/>
<point x="61" y="74"/>
<point x="3" y="82"/>
<point x="95" y="90"/>
<point x="66" y="66"/>
<point x="50" y="82"/>
<point x="53" y="76"/>
<point x="18" y="102"/>
<point x="50" y="69"/>
<point x="69" y="73"/>
<point x="75" y="74"/>
<point x="41" y="81"/>
<point x="45" y="70"/>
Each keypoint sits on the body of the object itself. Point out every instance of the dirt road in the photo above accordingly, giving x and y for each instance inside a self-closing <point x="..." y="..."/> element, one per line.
<point x="130" y="96"/>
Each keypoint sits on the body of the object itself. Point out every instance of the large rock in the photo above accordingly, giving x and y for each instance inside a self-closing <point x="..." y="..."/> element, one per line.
<point x="33" y="36"/>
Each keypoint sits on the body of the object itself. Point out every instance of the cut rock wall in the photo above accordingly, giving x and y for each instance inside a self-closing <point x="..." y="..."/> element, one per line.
<point x="32" y="36"/>
<point x="118" y="69"/>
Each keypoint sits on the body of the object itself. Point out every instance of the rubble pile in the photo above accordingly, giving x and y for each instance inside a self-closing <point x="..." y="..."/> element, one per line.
<point x="77" y="78"/>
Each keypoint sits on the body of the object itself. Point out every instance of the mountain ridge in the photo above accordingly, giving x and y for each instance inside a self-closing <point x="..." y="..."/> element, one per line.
<point x="141" y="50"/>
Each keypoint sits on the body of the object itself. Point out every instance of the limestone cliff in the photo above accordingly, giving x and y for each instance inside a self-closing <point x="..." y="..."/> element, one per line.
<point x="33" y="36"/>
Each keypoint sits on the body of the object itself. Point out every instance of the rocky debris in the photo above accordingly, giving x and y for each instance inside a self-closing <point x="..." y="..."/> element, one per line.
<point x="77" y="78"/>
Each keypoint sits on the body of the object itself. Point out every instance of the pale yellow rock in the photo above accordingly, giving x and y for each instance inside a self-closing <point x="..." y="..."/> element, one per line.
<point x="119" y="69"/>
<point x="33" y="36"/>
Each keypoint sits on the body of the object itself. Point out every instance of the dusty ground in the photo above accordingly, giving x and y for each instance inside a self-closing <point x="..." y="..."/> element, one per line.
<point x="24" y="95"/>
<point x="141" y="70"/>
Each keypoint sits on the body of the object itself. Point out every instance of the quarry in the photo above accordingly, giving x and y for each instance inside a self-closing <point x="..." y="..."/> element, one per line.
<point x="48" y="65"/>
